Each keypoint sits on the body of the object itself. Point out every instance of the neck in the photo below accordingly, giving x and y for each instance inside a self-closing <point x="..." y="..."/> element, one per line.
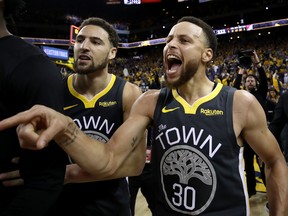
<point x="89" y="85"/>
<point x="192" y="91"/>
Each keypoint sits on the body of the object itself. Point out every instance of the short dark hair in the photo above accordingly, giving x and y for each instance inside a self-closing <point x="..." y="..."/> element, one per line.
<point x="251" y="75"/>
<point x="13" y="7"/>
<point x="211" y="37"/>
<point x="113" y="36"/>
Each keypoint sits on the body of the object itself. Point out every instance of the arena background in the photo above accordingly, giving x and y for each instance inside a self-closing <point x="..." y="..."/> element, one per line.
<point x="52" y="25"/>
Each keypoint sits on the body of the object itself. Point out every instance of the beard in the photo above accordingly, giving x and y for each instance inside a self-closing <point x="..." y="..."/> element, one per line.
<point x="251" y="88"/>
<point x="185" y="75"/>
<point x="91" y="68"/>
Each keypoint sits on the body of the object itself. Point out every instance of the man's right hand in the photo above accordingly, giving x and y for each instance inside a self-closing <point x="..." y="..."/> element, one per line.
<point x="37" y="126"/>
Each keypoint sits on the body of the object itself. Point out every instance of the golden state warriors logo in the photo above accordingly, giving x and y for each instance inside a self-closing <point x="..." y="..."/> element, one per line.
<point x="188" y="179"/>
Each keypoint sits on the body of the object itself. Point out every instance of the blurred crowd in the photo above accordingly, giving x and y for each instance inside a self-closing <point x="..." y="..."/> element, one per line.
<point x="142" y="65"/>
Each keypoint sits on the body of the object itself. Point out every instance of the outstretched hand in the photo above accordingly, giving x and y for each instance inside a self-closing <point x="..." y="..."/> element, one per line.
<point x="36" y="126"/>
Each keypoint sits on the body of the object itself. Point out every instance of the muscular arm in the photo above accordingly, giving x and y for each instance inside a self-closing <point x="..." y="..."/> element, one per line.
<point x="119" y="157"/>
<point x="75" y="174"/>
<point x="123" y="155"/>
<point x="41" y="124"/>
<point x="253" y="128"/>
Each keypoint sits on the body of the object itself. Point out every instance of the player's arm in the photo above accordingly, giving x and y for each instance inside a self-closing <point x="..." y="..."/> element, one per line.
<point x="40" y="124"/>
<point x="118" y="157"/>
<point x="138" y="156"/>
<point x="255" y="131"/>
<point x="74" y="173"/>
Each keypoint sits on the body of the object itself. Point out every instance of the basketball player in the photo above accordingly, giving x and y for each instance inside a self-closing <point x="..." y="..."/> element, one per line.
<point x="98" y="102"/>
<point x="26" y="75"/>
<point x="199" y="128"/>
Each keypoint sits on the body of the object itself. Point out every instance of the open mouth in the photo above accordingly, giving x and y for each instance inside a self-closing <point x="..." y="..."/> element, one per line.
<point x="83" y="60"/>
<point x="173" y="63"/>
<point x="84" y="57"/>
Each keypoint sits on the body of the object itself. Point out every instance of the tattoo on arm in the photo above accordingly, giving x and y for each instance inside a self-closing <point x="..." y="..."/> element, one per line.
<point x="71" y="137"/>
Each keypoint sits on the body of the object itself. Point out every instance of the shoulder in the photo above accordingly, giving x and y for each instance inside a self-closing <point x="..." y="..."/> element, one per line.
<point x="147" y="102"/>
<point x="131" y="86"/>
<point x="149" y="98"/>
<point x="152" y="93"/>
<point x="243" y="100"/>
<point x="24" y="53"/>
<point x="131" y="90"/>
<point x="39" y="63"/>
<point x="247" y="111"/>
<point x="245" y="103"/>
<point x="130" y="94"/>
<point x="243" y="97"/>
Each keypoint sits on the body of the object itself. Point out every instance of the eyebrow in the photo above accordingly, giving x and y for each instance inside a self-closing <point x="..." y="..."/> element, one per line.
<point x="177" y="36"/>
<point x="181" y="35"/>
<point x="90" y="37"/>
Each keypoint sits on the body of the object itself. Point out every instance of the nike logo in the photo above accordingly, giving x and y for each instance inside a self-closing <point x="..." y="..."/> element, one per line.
<point x="164" y="110"/>
<point x="69" y="107"/>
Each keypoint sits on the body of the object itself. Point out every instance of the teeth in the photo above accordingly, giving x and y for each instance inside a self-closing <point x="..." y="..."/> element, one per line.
<point x="84" y="57"/>
<point x="172" y="57"/>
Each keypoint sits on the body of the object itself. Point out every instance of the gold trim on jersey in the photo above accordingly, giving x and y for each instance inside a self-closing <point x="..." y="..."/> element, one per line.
<point x="89" y="103"/>
<point x="70" y="107"/>
<point x="191" y="109"/>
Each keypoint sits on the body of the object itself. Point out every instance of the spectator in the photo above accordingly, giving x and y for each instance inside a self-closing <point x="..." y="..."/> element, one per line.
<point x="259" y="88"/>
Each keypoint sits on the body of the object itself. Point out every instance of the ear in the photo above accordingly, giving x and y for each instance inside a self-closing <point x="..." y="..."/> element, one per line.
<point x="112" y="53"/>
<point x="207" y="55"/>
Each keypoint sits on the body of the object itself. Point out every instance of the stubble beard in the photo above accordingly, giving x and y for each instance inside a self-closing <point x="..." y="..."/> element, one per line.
<point x="250" y="88"/>
<point x="91" y="68"/>
<point x="185" y="75"/>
